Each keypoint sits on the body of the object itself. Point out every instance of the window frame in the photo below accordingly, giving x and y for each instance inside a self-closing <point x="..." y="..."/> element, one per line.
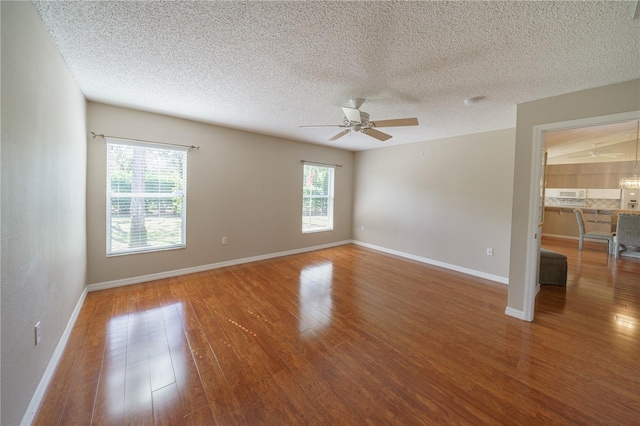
<point x="175" y="194"/>
<point x="330" y="196"/>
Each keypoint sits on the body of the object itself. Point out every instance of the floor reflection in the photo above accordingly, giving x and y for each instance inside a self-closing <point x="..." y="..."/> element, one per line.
<point x="137" y="359"/>
<point x="315" y="298"/>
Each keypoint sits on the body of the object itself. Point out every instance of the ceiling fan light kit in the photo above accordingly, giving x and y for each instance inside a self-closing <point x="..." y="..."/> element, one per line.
<point x="633" y="182"/>
<point x="357" y="121"/>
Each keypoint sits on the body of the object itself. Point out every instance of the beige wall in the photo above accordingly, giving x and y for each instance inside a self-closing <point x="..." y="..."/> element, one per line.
<point x="445" y="200"/>
<point x="613" y="99"/>
<point x="43" y="202"/>
<point x="244" y="186"/>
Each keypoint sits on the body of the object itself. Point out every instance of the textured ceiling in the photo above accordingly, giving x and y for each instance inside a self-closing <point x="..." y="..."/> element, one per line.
<point x="270" y="67"/>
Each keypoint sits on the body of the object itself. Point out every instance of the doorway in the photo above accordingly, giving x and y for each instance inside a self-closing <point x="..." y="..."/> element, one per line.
<point x="531" y="285"/>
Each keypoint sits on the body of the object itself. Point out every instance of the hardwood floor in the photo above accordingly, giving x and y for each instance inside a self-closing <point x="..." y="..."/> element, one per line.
<point x="352" y="336"/>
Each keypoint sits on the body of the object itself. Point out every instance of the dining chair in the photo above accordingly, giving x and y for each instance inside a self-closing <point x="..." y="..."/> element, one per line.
<point x="597" y="235"/>
<point x="627" y="232"/>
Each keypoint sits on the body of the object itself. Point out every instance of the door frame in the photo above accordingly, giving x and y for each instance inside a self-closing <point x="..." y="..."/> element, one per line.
<point x="535" y="234"/>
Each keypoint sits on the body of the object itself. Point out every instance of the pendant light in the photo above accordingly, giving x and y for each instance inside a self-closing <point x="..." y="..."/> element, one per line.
<point x="633" y="182"/>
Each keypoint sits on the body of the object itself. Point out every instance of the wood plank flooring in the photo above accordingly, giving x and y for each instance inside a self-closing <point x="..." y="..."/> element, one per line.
<point x="351" y="336"/>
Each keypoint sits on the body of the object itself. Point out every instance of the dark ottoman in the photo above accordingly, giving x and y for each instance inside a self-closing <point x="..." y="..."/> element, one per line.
<point x="553" y="268"/>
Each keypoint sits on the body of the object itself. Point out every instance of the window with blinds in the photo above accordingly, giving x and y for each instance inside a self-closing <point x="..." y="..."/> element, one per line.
<point x="146" y="197"/>
<point x="317" y="198"/>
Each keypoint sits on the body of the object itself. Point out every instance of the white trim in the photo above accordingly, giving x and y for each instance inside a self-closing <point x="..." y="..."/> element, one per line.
<point x="534" y="229"/>
<point x="201" y="268"/>
<point x="516" y="313"/>
<point x="531" y="270"/>
<point x="38" y="395"/>
<point x="473" y="272"/>
<point x="591" y="121"/>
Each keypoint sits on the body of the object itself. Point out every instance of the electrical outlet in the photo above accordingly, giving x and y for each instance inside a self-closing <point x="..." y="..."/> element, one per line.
<point x="489" y="251"/>
<point x="362" y="227"/>
<point x="38" y="332"/>
<point x="224" y="240"/>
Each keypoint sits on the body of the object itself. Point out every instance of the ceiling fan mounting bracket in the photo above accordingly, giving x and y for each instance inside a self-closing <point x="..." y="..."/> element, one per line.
<point x="356" y="102"/>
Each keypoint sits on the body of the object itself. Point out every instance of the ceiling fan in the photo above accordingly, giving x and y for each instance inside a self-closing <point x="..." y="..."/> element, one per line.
<point x="595" y="153"/>
<point x="358" y="121"/>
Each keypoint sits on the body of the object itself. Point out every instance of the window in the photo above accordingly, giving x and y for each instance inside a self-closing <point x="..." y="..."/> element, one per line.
<point x="146" y="197"/>
<point x="317" y="198"/>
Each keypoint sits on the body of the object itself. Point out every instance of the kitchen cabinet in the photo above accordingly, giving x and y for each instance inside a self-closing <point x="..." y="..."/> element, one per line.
<point x="551" y="192"/>
<point x="603" y="194"/>
<point x="594" y="193"/>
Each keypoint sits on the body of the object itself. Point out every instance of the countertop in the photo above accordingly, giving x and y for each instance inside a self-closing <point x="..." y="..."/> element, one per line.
<point x="599" y="210"/>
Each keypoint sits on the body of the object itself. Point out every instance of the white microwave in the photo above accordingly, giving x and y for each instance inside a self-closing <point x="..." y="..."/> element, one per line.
<point x="578" y="194"/>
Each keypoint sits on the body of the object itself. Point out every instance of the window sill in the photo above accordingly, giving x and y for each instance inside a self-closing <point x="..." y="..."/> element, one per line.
<point x="146" y="250"/>
<point x="313" y="231"/>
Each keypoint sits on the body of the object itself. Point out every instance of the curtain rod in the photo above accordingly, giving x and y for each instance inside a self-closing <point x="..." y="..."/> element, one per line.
<point x="103" y="136"/>
<point x="321" y="164"/>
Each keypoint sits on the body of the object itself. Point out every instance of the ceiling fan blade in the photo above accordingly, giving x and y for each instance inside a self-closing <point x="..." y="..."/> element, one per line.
<point x="324" y="125"/>
<point x="595" y="154"/>
<point x="352" y="114"/>
<point x="395" y="123"/>
<point x="376" y="134"/>
<point x="339" y="135"/>
<point x="583" y="155"/>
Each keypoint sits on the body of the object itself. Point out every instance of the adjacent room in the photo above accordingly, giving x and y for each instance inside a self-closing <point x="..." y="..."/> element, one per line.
<point x="313" y="213"/>
<point x="592" y="169"/>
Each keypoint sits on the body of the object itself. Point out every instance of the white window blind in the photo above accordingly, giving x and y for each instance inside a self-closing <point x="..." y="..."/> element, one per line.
<point x="317" y="198"/>
<point x="146" y="197"/>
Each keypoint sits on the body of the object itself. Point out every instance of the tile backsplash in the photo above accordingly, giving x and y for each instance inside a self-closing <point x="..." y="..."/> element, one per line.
<point x="590" y="203"/>
<point x="598" y="203"/>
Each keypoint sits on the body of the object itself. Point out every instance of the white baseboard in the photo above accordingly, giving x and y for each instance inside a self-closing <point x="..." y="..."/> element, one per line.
<point x="516" y="313"/>
<point x="185" y="271"/>
<point x="473" y="272"/>
<point x="36" y="400"/>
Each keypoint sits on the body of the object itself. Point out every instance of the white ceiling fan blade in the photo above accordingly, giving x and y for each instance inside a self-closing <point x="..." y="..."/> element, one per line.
<point x="396" y="122"/>
<point x="376" y="134"/>
<point x="352" y="114"/>
<point x="339" y="135"/>
<point x="595" y="154"/>
<point x="324" y="125"/>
